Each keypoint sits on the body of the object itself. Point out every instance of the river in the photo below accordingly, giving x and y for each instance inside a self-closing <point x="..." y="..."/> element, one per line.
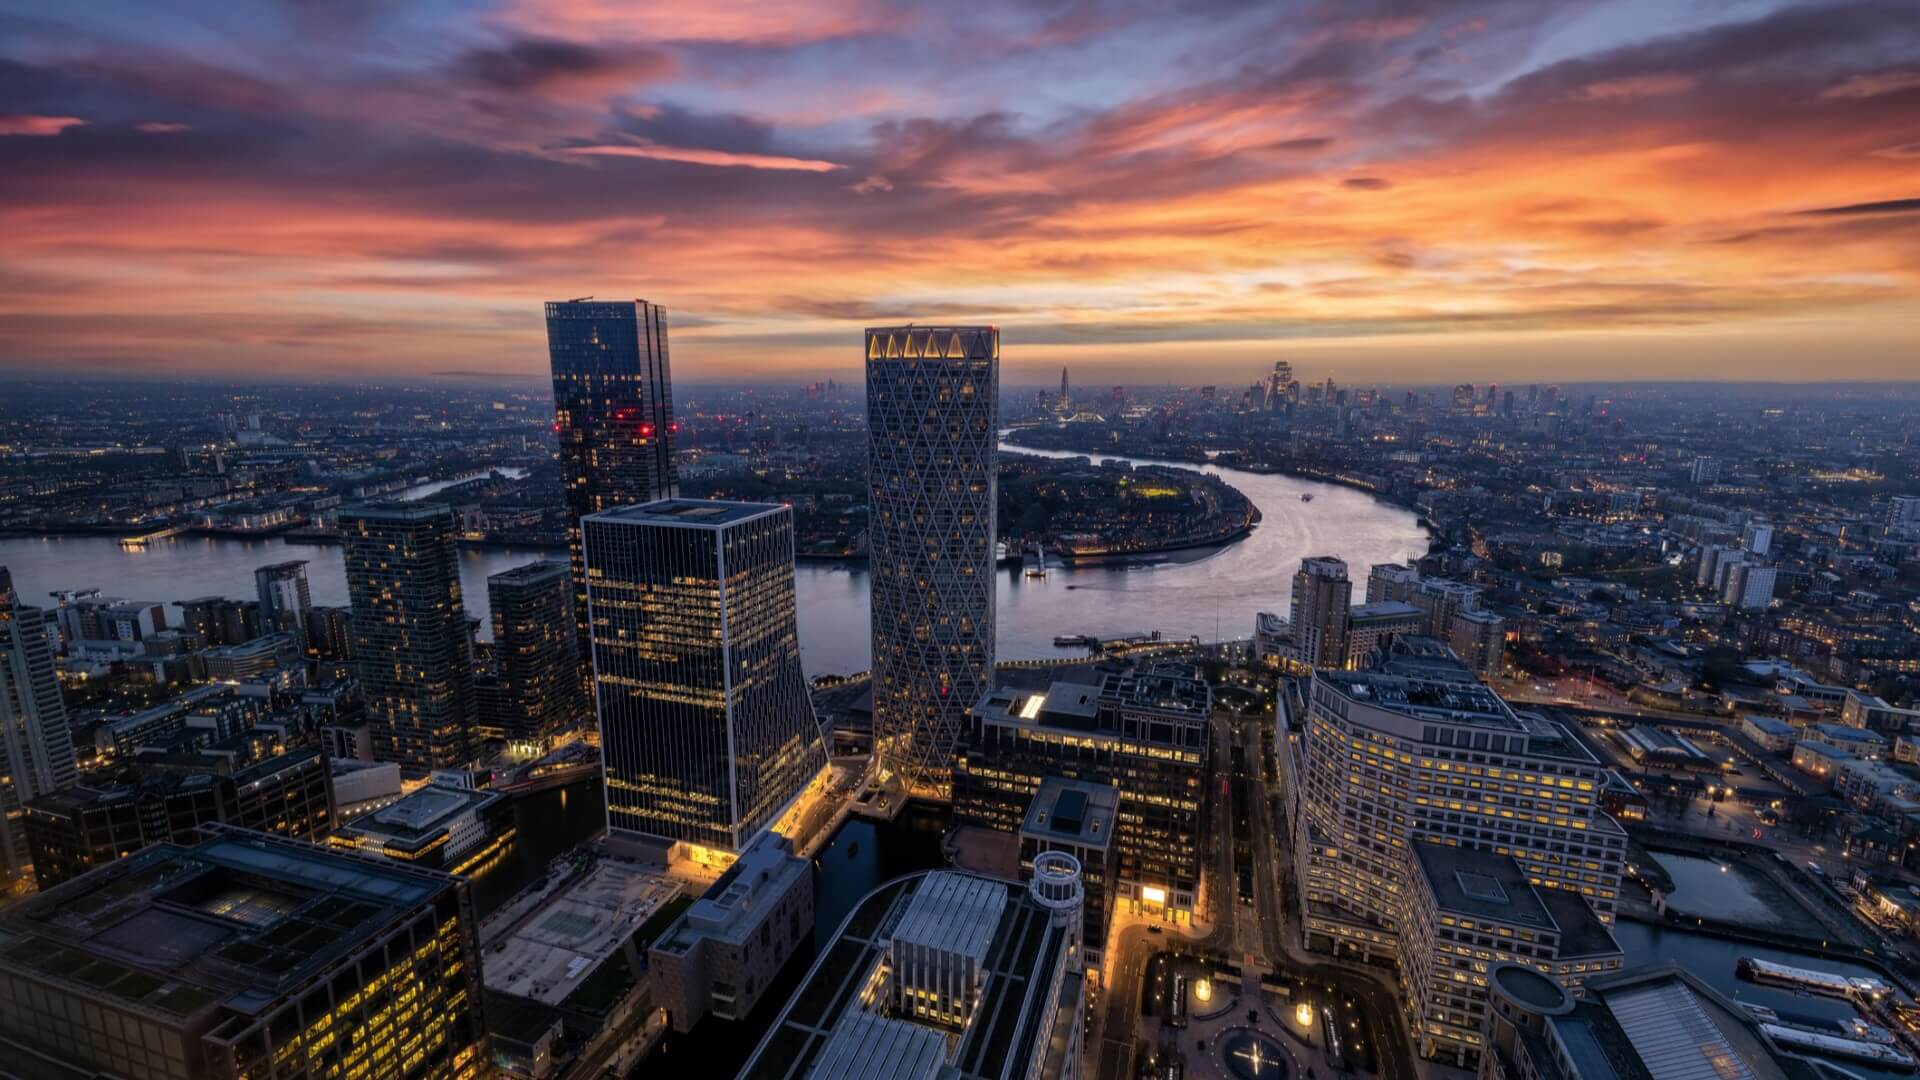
<point x="1213" y="593"/>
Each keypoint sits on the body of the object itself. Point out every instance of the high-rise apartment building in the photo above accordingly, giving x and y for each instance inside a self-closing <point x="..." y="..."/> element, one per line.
<point x="1322" y="602"/>
<point x="410" y="640"/>
<point x="1417" y="749"/>
<point x="613" y="415"/>
<point x="536" y="651"/>
<point x="36" y="746"/>
<point x="1757" y="538"/>
<point x="284" y="598"/>
<point x="246" y="955"/>
<point x="1480" y="637"/>
<point x="1749" y="586"/>
<point x="932" y="442"/>
<point x="706" y="729"/>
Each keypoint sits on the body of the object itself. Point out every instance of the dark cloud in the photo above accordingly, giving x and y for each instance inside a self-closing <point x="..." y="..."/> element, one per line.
<point x="537" y="65"/>
<point x="1885" y="206"/>
<point x="1366" y="183"/>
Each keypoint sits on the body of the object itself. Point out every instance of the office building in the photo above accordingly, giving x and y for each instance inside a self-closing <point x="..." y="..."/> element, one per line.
<point x="1144" y="731"/>
<point x="36" y="745"/>
<point x="1418" y="749"/>
<point x="254" y="659"/>
<point x="725" y="950"/>
<point x="1374" y="624"/>
<point x="284" y="598"/>
<point x="536" y="652"/>
<point x="79" y="829"/>
<point x="246" y="955"/>
<point x="613" y="415"/>
<point x="1471" y="908"/>
<point x="942" y="974"/>
<point x="1080" y="819"/>
<point x="411" y="646"/>
<point x="1322" y="602"/>
<point x="706" y="728"/>
<point x="933" y="398"/>
<point x="1749" y="586"/>
<point x="1654" y="1022"/>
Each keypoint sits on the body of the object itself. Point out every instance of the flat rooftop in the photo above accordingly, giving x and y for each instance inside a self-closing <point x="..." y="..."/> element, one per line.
<point x="1424" y="699"/>
<point x="532" y="572"/>
<point x="1383" y="611"/>
<point x="421" y="815"/>
<point x="560" y="943"/>
<point x="687" y="513"/>
<point x="737" y="901"/>
<point x="234" y="921"/>
<point x="1482" y="884"/>
<point x="1073" y="812"/>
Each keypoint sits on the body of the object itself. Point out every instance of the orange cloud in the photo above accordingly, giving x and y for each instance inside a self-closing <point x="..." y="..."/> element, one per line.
<point x="694" y="155"/>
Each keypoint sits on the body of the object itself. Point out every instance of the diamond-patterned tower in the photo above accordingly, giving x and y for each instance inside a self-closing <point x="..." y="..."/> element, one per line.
<point x="933" y="403"/>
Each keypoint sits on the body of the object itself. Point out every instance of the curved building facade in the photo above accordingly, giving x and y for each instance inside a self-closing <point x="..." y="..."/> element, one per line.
<point x="933" y="399"/>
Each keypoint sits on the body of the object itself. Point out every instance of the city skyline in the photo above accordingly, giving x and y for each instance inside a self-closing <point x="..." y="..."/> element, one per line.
<point x="1506" y="191"/>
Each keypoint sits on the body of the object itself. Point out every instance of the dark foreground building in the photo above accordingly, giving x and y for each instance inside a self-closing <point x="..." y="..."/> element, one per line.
<point x="245" y="955"/>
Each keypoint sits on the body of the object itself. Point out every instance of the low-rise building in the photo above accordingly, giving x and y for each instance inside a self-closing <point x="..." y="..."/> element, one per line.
<point x="723" y="952"/>
<point x="1870" y="711"/>
<point x="942" y="974"/>
<point x="1859" y="742"/>
<point x="1769" y="733"/>
<point x="438" y="825"/>
<point x="1819" y="759"/>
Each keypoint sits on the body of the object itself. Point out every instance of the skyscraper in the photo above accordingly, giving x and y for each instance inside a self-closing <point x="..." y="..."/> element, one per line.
<point x="410" y="637"/>
<point x="284" y="598"/>
<point x="613" y="413"/>
<point x="932" y="406"/>
<point x="536" y="649"/>
<point x="36" y="746"/>
<point x="1322" y="599"/>
<point x="706" y="729"/>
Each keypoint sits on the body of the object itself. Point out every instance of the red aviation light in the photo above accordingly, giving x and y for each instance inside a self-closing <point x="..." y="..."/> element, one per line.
<point x="646" y="431"/>
<point x="674" y="428"/>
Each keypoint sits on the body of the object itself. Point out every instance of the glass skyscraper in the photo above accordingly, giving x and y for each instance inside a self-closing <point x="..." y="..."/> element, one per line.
<point x="285" y="598"/>
<point x="932" y="410"/>
<point x="706" y="729"/>
<point x="410" y="639"/>
<point x="36" y="746"/>
<point x="613" y="414"/>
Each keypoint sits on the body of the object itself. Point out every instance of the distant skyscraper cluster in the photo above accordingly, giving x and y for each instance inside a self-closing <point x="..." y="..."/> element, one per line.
<point x="933" y="398"/>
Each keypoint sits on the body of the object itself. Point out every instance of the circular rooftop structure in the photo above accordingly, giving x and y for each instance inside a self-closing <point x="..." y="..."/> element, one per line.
<point x="1531" y="990"/>
<point x="1056" y="880"/>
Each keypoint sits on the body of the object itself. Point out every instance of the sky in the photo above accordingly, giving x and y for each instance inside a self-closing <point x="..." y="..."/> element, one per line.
<point x="1146" y="190"/>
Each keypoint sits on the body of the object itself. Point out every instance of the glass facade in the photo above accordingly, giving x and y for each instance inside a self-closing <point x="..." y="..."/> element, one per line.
<point x="612" y="413"/>
<point x="411" y="644"/>
<point x="932" y="443"/>
<point x="706" y="728"/>
<point x="36" y="746"/>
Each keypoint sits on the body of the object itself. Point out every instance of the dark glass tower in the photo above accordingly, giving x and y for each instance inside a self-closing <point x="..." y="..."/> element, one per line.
<point x="36" y="747"/>
<point x="706" y="729"/>
<point x="933" y="403"/>
<point x="410" y="639"/>
<point x="536" y="650"/>
<point x="613" y="413"/>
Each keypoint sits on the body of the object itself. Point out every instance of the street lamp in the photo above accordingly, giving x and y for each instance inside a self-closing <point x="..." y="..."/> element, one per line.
<point x="1303" y="1014"/>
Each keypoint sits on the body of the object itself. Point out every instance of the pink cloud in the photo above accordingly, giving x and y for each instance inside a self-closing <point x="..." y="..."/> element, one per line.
<point x="162" y="127"/>
<point x="695" y="155"/>
<point x="26" y="124"/>
<point x="1873" y="85"/>
<point x="1639" y="86"/>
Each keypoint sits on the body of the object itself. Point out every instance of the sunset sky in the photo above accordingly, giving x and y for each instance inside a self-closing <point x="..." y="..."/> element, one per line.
<point x="1149" y="190"/>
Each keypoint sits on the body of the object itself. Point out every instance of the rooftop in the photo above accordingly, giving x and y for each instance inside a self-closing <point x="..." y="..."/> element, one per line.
<point x="735" y="904"/>
<point x="1422" y="698"/>
<point x="419" y="817"/>
<point x="1073" y="812"/>
<point x="234" y="921"/>
<point x="688" y="513"/>
<point x="954" y="913"/>
<point x="1481" y="884"/>
<point x="531" y="572"/>
<point x="575" y="929"/>
<point x="1383" y="611"/>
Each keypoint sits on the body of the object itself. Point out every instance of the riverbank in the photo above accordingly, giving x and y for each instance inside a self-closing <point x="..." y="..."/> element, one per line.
<point x="1011" y="436"/>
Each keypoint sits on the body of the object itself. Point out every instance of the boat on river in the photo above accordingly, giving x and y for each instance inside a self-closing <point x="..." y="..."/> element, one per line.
<point x="1851" y="987"/>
